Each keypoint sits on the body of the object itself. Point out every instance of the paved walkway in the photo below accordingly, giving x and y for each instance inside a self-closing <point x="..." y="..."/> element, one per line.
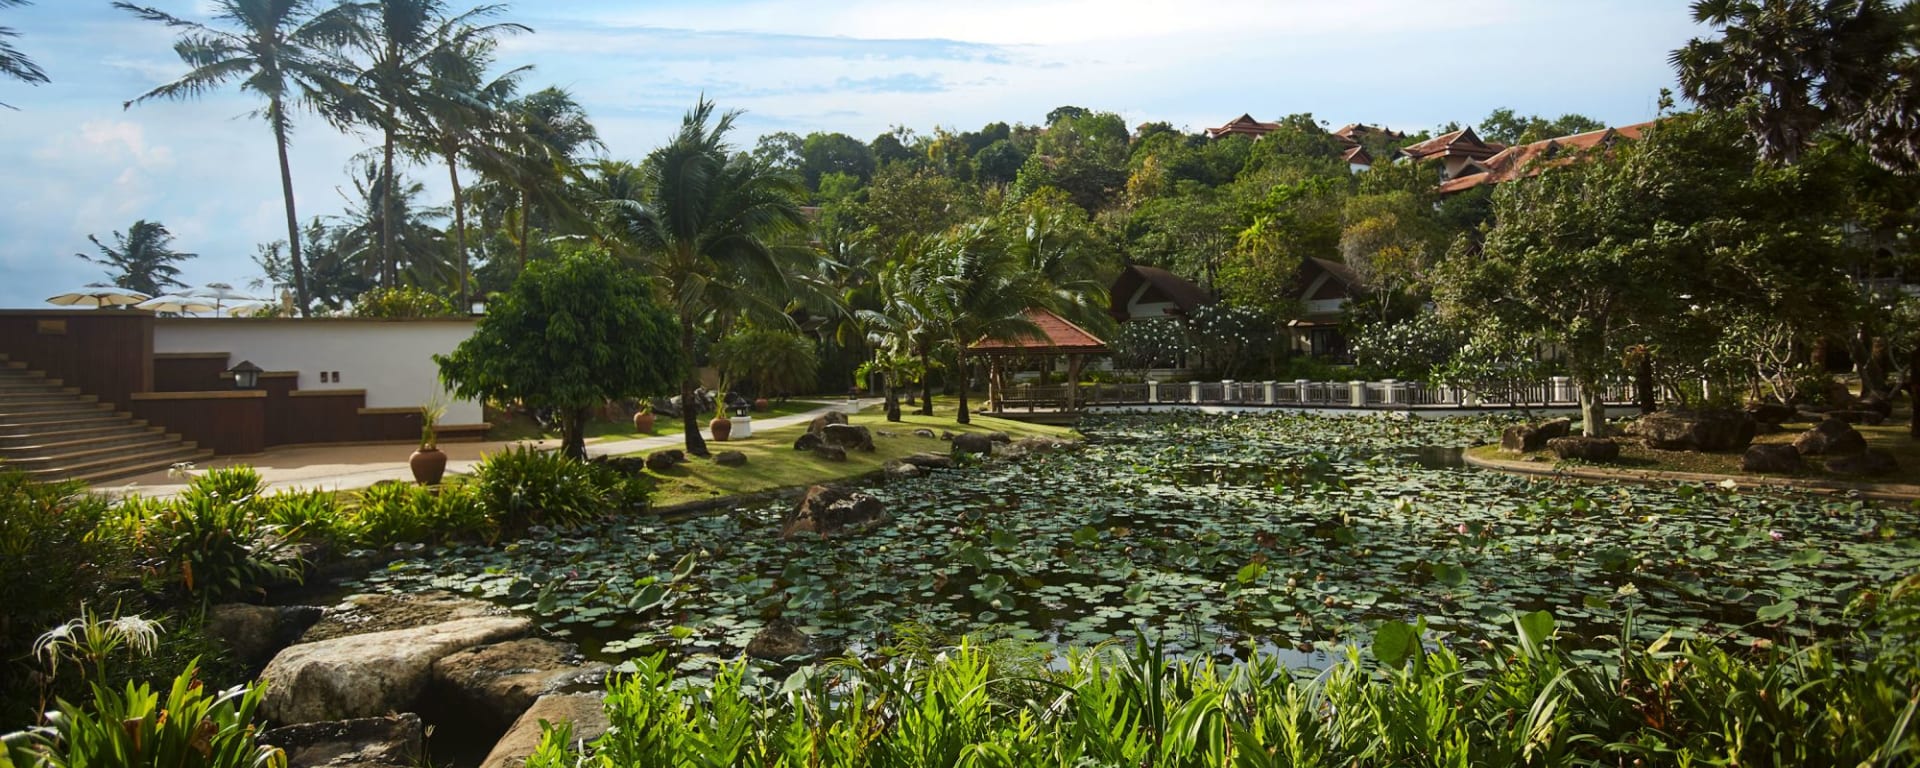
<point x="351" y="467"/>
<point x="1879" y="491"/>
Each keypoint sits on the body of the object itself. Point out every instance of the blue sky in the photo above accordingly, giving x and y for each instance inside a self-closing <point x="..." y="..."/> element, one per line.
<point x="73" y="162"/>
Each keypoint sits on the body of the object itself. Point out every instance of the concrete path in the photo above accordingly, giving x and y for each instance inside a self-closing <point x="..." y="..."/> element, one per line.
<point x="351" y="467"/>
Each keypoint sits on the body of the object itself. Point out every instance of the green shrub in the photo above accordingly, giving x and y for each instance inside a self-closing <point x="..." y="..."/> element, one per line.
<point x="51" y="563"/>
<point x="310" y="516"/>
<point x="522" y="487"/>
<point x="213" y="541"/>
<point x="188" y="727"/>
<point x="400" y="512"/>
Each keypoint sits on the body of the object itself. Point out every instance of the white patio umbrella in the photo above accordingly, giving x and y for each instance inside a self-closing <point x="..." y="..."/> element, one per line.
<point x="247" y="309"/>
<point x="176" y="304"/>
<point x="221" y="293"/>
<point x="98" y="296"/>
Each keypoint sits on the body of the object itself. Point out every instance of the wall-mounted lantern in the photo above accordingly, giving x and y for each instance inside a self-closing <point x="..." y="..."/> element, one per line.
<point x="246" y="375"/>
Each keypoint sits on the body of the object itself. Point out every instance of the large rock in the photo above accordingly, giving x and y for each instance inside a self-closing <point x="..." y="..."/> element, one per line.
<point x="848" y="436"/>
<point x="371" y="742"/>
<point x="778" y="642"/>
<point x="900" y="470"/>
<point x="929" y="461"/>
<point x="371" y="674"/>
<point x="1527" y="438"/>
<point x="1871" y="463"/>
<point x="828" y="511"/>
<point x="1839" y="395"/>
<point x="730" y="459"/>
<point x="585" y="711"/>
<point x="821" y="422"/>
<point x="1830" y="437"/>
<point x="972" y="442"/>
<point x="661" y="461"/>
<point x="1771" y="413"/>
<point x="1878" y="404"/>
<point x="1771" y="458"/>
<point x="1704" y="431"/>
<point x="830" y="452"/>
<point x="495" y="683"/>
<point x="1598" y="450"/>
<point x="252" y="634"/>
<point x="1865" y="416"/>
<point x="808" y="441"/>
<point x="363" y="614"/>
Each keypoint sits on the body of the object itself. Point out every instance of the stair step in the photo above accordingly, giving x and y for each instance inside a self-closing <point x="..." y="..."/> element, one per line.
<point x="43" y="400"/>
<point x="105" y="427"/>
<point x="44" y="415"/>
<point x="21" y="427"/>
<point x="85" y="454"/>
<point x="26" y="384"/>
<point x="125" y="464"/>
<point x="53" y="449"/>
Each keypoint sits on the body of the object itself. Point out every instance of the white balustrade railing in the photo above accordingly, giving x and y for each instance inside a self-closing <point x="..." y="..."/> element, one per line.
<point x="1387" y="394"/>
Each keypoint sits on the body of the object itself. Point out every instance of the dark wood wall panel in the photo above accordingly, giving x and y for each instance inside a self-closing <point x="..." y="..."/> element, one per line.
<point x="190" y="373"/>
<point x="107" y="353"/>
<point x="228" y="422"/>
<point x="320" y="418"/>
<point x="386" y="425"/>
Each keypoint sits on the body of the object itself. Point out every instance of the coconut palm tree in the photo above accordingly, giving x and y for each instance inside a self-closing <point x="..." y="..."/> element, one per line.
<point x="1052" y="247"/>
<point x="708" y="226"/>
<point x="905" y="325"/>
<point x="539" y="155"/>
<point x="465" y="123"/>
<point x="140" y="259"/>
<point x="419" y="249"/>
<point x="400" y="41"/>
<point x="977" y="289"/>
<point x="13" y="63"/>
<point x="277" y="49"/>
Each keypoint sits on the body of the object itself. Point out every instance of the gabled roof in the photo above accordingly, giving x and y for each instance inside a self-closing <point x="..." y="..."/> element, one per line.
<point x="1460" y="143"/>
<point x="1334" y="269"/>
<point x="1057" y="336"/>
<point x="1528" y="159"/>
<point x="1183" y="293"/>
<point x="1353" y="131"/>
<point x="1358" y="156"/>
<point x="1244" y="124"/>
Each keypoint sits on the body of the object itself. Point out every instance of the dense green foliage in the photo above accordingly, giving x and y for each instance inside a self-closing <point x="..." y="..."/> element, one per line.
<point x="574" y="332"/>
<point x="1523" y="701"/>
<point x="521" y="487"/>
<point x="774" y="363"/>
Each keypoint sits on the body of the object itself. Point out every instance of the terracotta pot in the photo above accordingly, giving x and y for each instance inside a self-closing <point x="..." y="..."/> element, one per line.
<point x="643" y="422"/>
<point x="428" y="465"/>
<point x="761" y="404"/>
<point x="722" y="429"/>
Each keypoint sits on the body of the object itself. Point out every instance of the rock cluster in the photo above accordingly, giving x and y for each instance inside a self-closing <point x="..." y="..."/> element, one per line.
<point x="829" y="511"/>
<point x="1527" y="438"/>
<point x="1690" y="431"/>
<point x="1598" y="450"/>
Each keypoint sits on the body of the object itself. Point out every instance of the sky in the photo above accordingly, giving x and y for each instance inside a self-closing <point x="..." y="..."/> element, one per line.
<point x="74" y="162"/>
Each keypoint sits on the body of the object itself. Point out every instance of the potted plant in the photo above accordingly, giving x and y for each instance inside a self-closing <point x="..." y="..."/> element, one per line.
<point x="643" y="420"/>
<point x="428" y="463"/>
<point x="721" y="426"/>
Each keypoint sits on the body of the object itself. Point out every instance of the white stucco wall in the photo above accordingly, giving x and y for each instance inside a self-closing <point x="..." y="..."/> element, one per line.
<point x="391" y="359"/>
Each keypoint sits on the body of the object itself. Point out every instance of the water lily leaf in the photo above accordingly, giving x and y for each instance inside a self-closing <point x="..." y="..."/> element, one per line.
<point x="1395" y="642"/>
<point x="1777" y="611"/>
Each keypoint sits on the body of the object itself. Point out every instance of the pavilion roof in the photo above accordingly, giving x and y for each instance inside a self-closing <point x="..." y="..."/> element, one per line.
<point x="1058" y="335"/>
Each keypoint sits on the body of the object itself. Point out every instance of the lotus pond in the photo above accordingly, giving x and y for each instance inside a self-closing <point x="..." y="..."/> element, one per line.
<point x="1221" y="534"/>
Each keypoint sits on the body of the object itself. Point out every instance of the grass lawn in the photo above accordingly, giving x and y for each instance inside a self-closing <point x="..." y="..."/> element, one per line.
<point x="772" y="463"/>
<point x="519" y="427"/>
<point x="1891" y="437"/>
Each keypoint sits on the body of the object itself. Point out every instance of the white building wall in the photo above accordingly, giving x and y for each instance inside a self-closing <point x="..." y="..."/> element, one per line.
<point x="391" y="359"/>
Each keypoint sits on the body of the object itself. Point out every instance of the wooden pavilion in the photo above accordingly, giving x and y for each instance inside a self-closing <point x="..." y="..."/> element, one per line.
<point x="1057" y="336"/>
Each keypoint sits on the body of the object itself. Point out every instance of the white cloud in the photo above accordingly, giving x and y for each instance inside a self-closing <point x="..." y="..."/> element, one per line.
<point x="99" y="141"/>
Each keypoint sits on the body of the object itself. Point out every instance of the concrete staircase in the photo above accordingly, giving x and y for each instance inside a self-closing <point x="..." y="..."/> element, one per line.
<point x="53" y="432"/>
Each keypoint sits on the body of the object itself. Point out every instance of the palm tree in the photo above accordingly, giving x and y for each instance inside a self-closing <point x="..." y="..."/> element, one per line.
<point x="13" y="63"/>
<point x="1794" y="67"/>
<point x="277" y="49"/>
<point x="465" y="119"/>
<point x="539" y="157"/>
<point x="402" y="40"/>
<point x="978" y="290"/>
<point x="905" y="325"/>
<point x="1051" y="246"/>
<point x="707" y="225"/>
<point x="141" y="259"/>
<point x="374" y="214"/>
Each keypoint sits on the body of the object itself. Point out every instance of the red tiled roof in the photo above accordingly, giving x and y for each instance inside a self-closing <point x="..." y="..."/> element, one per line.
<point x="1358" y="156"/>
<point x="1352" y="131"/>
<point x="1529" y="159"/>
<point x="1057" y="336"/>
<point x="1460" y="143"/>
<point x="1184" y="293"/>
<point x="1244" y="124"/>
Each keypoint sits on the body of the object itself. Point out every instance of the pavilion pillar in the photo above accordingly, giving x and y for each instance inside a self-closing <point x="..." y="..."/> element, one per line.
<point x="1073" y="381"/>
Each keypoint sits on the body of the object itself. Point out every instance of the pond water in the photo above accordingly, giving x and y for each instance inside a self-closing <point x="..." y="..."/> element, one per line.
<point x="1221" y="534"/>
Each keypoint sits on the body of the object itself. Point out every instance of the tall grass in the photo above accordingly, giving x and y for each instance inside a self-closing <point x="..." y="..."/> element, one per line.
<point x="1523" y="703"/>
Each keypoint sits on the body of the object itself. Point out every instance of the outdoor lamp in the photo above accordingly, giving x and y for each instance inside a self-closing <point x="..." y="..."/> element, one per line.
<point x="740" y="410"/>
<point x="246" y="375"/>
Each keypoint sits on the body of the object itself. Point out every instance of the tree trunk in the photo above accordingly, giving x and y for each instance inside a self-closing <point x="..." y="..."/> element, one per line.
<point x="523" y="239"/>
<point x="926" y="382"/>
<point x="459" y="225"/>
<point x="389" y="266"/>
<point x="573" y="433"/>
<point x="893" y="397"/>
<point x="689" y="420"/>
<point x="1913" y="384"/>
<point x="1643" y="383"/>
<point x="1878" y="362"/>
<point x="1593" y="409"/>
<point x="293" y="221"/>
<point x="960" y="367"/>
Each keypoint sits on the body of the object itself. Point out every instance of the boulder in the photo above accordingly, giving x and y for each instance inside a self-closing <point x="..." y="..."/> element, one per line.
<point x="946" y="435"/>
<point x="371" y="674"/>
<point x="929" y="461"/>
<point x="254" y="633"/>
<point x="1870" y="463"/>
<point x="1527" y="438"/>
<point x="1042" y="444"/>
<point x="808" y="441"/>
<point x="367" y="613"/>
<point x="830" y="452"/>
<point x="1771" y="458"/>
<point x="1839" y="395"/>
<point x="779" y="641"/>
<point x="369" y="742"/>
<point x="828" y="511"/>
<point x="928" y="433"/>
<point x="1689" y="431"/>
<point x="1000" y="437"/>
<point x="1771" y="413"/>
<point x="1598" y="450"/>
<point x="972" y="442"/>
<point x="1878" y="404"/>
<point x="900" y="470"/>
<point x="585" y="711"/>
<point x="848" y="436"/>
<point x="1830" y="437"/>
<point x="661" y="461"/>
<point x="495" y="683"/>
<point x="730" y="459"/>
<point x="830" y="418"/>
<point x="1859" y="416"/>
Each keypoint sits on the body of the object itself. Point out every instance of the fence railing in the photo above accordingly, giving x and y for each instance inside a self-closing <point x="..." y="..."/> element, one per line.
<point x="1558" y="391"/>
